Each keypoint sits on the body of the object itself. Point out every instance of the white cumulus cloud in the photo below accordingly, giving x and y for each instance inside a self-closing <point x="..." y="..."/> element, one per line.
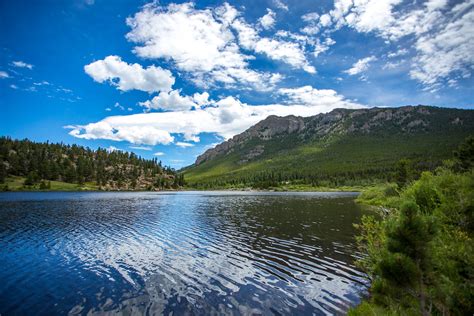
<point x="441" y="32"/>
<point x="130" y="76"/>
<point x="447" y="51"/>
<point x="184" y="145"/>
<point x="326" y="99"/>
<point x="225" y="117"/>
<point x="292" y="53"/>
<point x="280" y="5"/>
<point x="170" y="101"/>
<point x="323" y="46"/>
<point x="22" y="64"/>
<point x="311" y="19"/>
<point x="268" y="20"/>
<point x="199" y="42"/>
<point x="132" y="133"/>
<point x="360" y="66"/>
<point x="146" y="148"/>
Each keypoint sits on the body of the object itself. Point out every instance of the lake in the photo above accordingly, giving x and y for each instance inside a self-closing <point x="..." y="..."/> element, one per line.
<point x="185" y="252"/>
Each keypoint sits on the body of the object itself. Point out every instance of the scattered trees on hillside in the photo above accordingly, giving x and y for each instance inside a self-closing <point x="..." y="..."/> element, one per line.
<point x="42" y="162"/>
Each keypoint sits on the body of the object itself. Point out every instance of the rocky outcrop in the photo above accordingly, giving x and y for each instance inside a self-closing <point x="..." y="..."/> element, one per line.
<point x="264" y="130"/>
<point x="253" y="153"/>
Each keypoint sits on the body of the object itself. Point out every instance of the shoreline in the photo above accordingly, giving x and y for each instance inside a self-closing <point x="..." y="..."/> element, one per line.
<point x="314" y="190"/>
<point x="16" y="184"/>
<point x="190" y="190"/>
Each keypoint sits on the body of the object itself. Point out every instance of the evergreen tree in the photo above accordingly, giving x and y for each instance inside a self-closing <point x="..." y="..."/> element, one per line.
<point x="43" y="185"/>
<point x="31" y="178"/>
<point x="3" y="172"/>
<point x="406" y="264"/>
<point x="403" y="172"/>
<point x="464" y="156"/>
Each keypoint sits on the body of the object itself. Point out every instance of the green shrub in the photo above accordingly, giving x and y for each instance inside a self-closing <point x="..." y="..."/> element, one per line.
<point x="420" y="257"/>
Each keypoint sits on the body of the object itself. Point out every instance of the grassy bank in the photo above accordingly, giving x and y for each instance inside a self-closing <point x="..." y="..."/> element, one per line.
<point x="284" y="188"/>
<point x="384" y="195"/>
<point x="17" y="184"/>
<point x="370" y="192"/>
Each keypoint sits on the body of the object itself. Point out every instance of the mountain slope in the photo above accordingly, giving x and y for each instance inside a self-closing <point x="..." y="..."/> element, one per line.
<point x="342" y="147"/>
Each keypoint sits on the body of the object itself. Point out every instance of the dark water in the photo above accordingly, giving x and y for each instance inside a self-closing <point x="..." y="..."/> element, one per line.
<point x="186" y="253"/>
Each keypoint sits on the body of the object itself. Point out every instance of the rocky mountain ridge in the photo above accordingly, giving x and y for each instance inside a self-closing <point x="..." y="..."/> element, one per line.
<point x="402" y="120"/>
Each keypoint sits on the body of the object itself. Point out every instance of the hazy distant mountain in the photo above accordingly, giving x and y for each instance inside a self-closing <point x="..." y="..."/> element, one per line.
<point x="341" y="144"/>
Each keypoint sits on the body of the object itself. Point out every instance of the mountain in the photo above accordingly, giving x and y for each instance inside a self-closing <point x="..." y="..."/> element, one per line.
<point x="340" y="147"/>
<point x="29" y="165"/>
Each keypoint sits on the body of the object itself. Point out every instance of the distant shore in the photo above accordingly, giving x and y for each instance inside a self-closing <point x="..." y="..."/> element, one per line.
<point x="15" y="184"/>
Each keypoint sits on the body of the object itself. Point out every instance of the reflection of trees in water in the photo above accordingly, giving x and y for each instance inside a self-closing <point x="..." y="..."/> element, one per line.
<point x="323" y="222"/>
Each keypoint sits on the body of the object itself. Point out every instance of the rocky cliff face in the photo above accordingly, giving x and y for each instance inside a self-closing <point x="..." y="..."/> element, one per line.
<point x="406" y="119"/>
<point x="264" y="130"/>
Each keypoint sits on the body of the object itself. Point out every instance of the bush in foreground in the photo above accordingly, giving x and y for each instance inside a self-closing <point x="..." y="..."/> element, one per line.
<point x="420" y="257"/>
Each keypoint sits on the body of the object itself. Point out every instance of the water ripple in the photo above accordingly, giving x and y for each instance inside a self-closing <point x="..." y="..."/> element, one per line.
<point x="188" y="253"/>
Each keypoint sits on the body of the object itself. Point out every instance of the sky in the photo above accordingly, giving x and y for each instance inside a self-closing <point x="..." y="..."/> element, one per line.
<point x="172" y="79"/>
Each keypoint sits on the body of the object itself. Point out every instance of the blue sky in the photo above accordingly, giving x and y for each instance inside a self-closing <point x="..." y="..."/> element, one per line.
<point x="170" y="79"/>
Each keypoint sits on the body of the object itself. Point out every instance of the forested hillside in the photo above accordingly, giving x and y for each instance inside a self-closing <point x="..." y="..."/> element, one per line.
<point x="342" y="147"/>
<point x="36" y="164"/>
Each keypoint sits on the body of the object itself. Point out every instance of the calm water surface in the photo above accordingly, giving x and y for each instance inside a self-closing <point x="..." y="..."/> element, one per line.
<point x="186" y="253"/>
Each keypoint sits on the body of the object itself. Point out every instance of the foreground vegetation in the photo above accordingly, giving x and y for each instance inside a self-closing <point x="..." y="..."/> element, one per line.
<point x="27" y="165"/>
<point x="420" y="257"/>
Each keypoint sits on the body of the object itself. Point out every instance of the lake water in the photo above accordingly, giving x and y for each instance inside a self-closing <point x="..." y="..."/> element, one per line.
<point x="186" y="253"/>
